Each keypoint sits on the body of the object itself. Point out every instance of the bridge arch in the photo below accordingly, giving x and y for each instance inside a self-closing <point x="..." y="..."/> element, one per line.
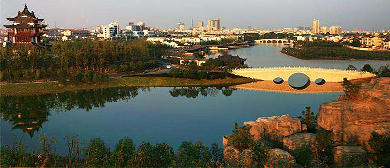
<point x="329" y="75"/>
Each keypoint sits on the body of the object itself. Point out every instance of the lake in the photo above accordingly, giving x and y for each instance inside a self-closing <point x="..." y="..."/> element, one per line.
<point x="160" y="114"/>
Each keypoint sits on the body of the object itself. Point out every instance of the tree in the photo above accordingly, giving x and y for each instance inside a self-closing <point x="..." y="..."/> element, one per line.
<point x="241" y="138"/>
<point x="356" y="43"/>
<point x="367" y="68"/>
<point x="309" y="120"/>
<point x="323" y="147"/>
<point x="123" y="152"/>
<point x="260" y="151"/>
<point x="380" y="144"/>
<point x="384" y="71"/>
<point x="352" y="68"/>
<point x="97" y="154"/>
<point x="192" y="155"/>
<point x="216" y="155"/>
<point x="350" y="89"/>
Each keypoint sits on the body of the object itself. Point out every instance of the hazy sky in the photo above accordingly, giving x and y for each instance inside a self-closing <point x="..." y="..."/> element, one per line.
<point x="269" y="14"/>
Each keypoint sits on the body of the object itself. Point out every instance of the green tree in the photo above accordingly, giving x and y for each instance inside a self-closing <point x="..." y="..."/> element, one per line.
<point x="352" y="68"/>
<point x="241" y="138"/>
<point x="260" y="151"/>
<point x="367" y="68"/>
<point x="123" y="152"/>
<point x="303" y="155"/>
<point x="380" y="145"/>
<point x="309" y="120"/>
<point x="350" y="89"/>
<point x="97" y="154"/>
<point x="323" y="147"/>
<point x="192" y="155"/>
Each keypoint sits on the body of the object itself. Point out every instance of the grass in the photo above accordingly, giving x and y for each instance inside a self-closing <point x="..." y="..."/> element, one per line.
<point x="55" y="87"/>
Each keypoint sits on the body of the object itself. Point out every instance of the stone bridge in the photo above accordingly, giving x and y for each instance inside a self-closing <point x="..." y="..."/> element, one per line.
<point x="282" y="41"/>
<point x="329" y="75"/>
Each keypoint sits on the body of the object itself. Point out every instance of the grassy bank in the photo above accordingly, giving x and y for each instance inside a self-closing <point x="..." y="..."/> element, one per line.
<point x="55" y="87"/>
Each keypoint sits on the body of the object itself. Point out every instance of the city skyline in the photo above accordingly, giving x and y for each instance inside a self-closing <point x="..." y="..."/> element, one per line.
<point x="348" y="14"/>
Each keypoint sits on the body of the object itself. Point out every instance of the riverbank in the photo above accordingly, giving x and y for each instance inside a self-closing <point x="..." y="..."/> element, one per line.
<point x="55" y="87"/>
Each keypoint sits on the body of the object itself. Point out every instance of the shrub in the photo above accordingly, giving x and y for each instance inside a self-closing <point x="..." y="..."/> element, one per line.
<point x="380" y="144"/>
<point x="123" y="152"/>
<point x="350" y="89"/>
<point x="309" y="120"/>
<point x="216" y="155"/>
<point x="260" y="151"/>
<point x="303" y="155"/>
<point x="192" y="155"/>
<point x="367" y="68"/>
<point x="323" y="147"/>
<point x="97" y="154"/>
<point x="163" y="155"/>
<point x="241" y="138"/>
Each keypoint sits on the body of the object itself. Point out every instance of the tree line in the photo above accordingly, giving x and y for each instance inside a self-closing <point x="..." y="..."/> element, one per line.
<point x="331" y="50"/>
<point x="77" y="60"/>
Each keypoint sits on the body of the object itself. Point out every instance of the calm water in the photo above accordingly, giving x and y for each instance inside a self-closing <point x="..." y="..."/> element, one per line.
<point x="162" y="114"/>
<point x="268" y="55"/>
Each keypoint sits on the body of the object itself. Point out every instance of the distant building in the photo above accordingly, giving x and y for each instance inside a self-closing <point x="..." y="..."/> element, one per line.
<point x="26" y="28"/>
<point x="181" y="26"/>
<point x="316" y="26"/>
<point x="200" y="26"/>
<point x="231" y="60"/>
<point x="335" y="30"/>
<point x="111" y="30"/>
<point x="214" y="25"/>
<point x="324" y="30"/>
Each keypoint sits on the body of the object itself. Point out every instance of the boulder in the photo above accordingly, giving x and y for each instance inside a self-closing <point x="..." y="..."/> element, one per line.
<point x="353" y="120"/>
<point x="275" y="127"/>
<point x="280" y="158"/>
<point x="298" y="140"/>
<point x="350" y="156"/>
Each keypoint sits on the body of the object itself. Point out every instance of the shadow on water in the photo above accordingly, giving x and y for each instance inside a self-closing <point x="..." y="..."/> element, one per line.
<point x="28" y="113"/>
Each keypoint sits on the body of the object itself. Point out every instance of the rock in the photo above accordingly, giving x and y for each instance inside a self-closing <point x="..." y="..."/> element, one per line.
<point x="275" y="127"/>
<point x="232" y="155"/>
<point x="298" y="140"/>
<point x="350" y="156"/>
<point x="280" y="158"/>
<point x="355" y="120"/>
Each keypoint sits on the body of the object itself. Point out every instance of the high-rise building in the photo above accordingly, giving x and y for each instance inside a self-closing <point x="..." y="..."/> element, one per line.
<point x="324" y="30"/>
<point x="335" y="30"/>
<point x="111" y="30"/>
<point x="200" y="26"/>
<point x="316" y="26"/>
<point x="214" y="25"/>
<point x="181" y="26"/>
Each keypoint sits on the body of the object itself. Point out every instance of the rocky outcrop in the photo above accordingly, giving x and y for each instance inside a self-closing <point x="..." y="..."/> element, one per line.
<point x="350" y="156"/>
<point x="298" y="140"/>
<point x="355" y="119"/>
<point x="280" y="158"/>
<point x="233" y="156"/>
<point x="275" y="127"/>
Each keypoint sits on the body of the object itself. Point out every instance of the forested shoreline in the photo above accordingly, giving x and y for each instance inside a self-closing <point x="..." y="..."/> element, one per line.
<point x="77" y="61"/>
<point x="332" y="51"/>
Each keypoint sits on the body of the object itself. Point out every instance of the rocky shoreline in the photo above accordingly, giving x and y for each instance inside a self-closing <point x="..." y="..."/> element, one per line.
<point x="350" y="122"/>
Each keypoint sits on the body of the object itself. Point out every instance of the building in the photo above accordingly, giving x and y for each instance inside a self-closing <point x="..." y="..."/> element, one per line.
<point x="316" y="26"/>
<point x="189" y="59"/>
<point x="324" y="30"/>
<point x="214" y="25"/>
<point x="181" y="26"/>
<point x="26" y="28"/>
<point x="111" y="30"/>
<point x="335" y="30"/>
<point x="231" y="60"/>
<point x="200" y="26"/>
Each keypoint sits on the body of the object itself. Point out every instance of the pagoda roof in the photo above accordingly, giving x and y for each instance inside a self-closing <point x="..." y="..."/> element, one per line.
<point x="25" y="12"/>
<point x="25" y="26"/>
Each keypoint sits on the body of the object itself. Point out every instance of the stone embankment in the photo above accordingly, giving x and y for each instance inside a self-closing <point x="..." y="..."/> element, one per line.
<point x="352" y="121"/>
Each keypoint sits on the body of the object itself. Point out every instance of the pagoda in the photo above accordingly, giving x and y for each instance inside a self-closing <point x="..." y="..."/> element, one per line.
<point x="26" y="28"/>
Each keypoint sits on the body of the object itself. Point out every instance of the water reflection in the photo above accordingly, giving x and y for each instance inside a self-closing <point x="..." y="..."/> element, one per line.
<point x="28" y="113"/>
<point x="193" y="92"/>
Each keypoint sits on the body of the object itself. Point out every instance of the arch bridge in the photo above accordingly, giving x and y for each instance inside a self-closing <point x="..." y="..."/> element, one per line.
<point x="329" y="75"/>
<point x="281" y="41"/>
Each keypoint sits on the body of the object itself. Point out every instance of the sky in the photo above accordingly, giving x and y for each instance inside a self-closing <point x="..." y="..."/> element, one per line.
<point x="371" y="15"/>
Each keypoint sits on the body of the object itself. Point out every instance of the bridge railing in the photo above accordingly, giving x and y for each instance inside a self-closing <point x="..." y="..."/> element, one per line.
<point x="298" y="68"/>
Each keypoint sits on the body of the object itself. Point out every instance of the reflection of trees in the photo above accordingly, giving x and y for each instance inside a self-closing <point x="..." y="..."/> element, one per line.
<point x="28" y="113"/>
<point x="193" y="92"/>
